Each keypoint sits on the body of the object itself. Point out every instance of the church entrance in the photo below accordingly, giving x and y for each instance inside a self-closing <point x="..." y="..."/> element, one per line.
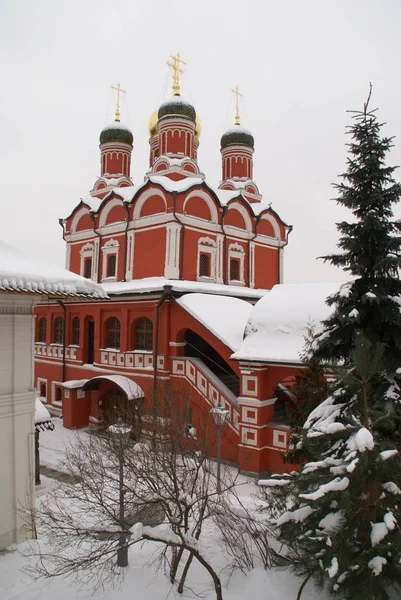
<point x="115" y="405"/>
<point x="119" y="397"/>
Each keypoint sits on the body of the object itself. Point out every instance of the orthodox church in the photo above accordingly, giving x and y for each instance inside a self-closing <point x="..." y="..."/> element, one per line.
<point x="183" y="264"/>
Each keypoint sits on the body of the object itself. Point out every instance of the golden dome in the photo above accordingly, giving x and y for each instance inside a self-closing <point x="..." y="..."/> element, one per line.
<point x="154" y="130"/>
<point x="152" y="124"/>
<point x="198" y="127"/>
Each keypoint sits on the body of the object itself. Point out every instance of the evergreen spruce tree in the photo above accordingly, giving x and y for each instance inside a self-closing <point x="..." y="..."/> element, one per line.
<point x="371" y="252"/>
<point x="310" y="388"/>
<point x="340" y="517"/>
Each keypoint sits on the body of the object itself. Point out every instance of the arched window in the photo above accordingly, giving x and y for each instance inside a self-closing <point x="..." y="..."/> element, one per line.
<point x="113" y="328"/>
<point x="111" y="265"/>
<point x="42" y="329"/>
<point x="143" y="339"/>
<point x="75" y="329"/>
<point x="58" y="330"/>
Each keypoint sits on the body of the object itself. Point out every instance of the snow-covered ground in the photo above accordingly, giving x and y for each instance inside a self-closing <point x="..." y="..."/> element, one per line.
<point x="141" y="580"/>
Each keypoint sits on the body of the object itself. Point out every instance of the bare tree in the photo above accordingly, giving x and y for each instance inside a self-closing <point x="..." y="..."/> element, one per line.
<point x="169" y="494"/>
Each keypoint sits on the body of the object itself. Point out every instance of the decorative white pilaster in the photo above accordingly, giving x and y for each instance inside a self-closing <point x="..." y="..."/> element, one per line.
<point x="172" y="261"/>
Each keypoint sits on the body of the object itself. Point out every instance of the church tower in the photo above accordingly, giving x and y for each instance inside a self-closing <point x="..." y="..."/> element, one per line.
<point x="237" y="147"/>
<point x="116" y="145"/>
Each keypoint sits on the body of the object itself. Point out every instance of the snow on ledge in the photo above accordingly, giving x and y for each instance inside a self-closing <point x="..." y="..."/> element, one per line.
<point x="156" y="284"/>
<point x="21" y="273"/>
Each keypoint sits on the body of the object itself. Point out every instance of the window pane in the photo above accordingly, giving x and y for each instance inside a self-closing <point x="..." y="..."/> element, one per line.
<point x="113" y="333"/>
<point x="58" y="330"/>
<point x="204" y="265"/>
<point x="88" y="268"/>
<point x="42" y="329"/>
<point x="111" y="265"/>
<point x="234" y="269"/>
<point x="143" y="334"/>
<point x="75" y="331"/>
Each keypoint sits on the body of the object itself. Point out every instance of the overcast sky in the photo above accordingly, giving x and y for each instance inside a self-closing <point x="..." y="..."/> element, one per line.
<point x="300" y="65"/>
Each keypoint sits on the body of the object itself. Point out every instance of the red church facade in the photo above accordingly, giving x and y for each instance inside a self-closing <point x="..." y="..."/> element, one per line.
<point x="152" y="246"/>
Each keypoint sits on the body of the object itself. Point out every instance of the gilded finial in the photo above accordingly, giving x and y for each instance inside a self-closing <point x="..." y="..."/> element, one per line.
<point x="119" y="91"/>
<point x="177" y="71"/>
<point x="237" y="95"/>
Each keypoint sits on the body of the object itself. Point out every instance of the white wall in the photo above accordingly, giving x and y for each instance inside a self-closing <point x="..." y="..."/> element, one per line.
<point x="17" y="407"/>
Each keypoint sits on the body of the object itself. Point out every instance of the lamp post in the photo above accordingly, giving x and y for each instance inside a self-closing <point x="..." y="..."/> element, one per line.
<point x="120" y="433"/>
<point x="219" y="415"/>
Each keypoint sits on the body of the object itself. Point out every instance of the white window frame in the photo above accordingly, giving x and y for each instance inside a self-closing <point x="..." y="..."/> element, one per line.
<point x="87" y="251"/>
<point x="110" y="247"/>
<point x="207" y="246"/>
<point x="55" y="402"/>
<point x="39" y="382"/>
<point x="236" y="252"/>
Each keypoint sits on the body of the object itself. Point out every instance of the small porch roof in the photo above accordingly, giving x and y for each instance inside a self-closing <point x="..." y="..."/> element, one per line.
<point x="131" y="389"/>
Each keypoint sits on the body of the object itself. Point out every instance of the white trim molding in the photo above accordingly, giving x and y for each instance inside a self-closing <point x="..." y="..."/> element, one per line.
<point x="106" y="211"/>
<point x="172" y="259"/>
<point x="207" y="246"/>
<point x="87" y="251"/>
<point x="110" y="247"/>
<point x="236" y="252"/>
<point x="210" y="203"/>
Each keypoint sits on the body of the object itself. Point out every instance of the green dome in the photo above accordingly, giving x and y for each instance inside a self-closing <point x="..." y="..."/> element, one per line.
<point x="177" y="107"/>
<point x="116" y="132"/>
<point x="237" y="136"/>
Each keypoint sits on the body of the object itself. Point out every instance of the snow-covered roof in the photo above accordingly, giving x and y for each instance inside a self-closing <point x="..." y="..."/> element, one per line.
<point x="155" y="284"/>
<point x="21" y="273"/>
<point x="42" y="417"/>
<point x="116" y="125"/>
<point x="276" y="330"/>
<point x="74" y="384"/>
<point x="237" y="129"/>
<point x="41" y="412"/>
<point x="128" y="193"/>
<point x="175" y="100"/>
<point x="132" y="389"/>
<point x="224" y="316"/>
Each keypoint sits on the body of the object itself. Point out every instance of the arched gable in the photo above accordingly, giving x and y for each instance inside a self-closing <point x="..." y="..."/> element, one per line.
<point x="201" y="205"/>
<point x="81" y="221"/>
<point x="238" y="216"/>
<point x="268" y="226"/>
<point x="112" y="212"/>
<point x="150" y="202"/>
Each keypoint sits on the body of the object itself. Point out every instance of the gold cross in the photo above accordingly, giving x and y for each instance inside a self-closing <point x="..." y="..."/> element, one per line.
<point x="237" y="94"/>
<point x="119" y="91"/>
<point x="176" y="68"/>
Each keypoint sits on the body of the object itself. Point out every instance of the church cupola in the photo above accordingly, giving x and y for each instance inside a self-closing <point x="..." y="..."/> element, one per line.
<point x="116" y="144"/>
<point x="176" y="120"/>
<point x="237" y="147"/>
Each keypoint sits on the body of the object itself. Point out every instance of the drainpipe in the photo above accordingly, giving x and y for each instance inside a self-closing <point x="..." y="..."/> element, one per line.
<point x="61" y="222"/>
<point x="249" y="250"/>
<point x="126" y="242"/>
<point x="181" y="257"/>
<point x="225" y="279"/>
<point x="100" y="243"/>
<point x="166" y="295"/>
<point x="64" y="338"/>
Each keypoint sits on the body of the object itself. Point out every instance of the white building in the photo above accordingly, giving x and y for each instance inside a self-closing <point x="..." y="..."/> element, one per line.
<point x="23" y="283"/>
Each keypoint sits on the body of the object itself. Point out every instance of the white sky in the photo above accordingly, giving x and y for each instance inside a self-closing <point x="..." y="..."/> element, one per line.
<point x="299" y="63"/>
